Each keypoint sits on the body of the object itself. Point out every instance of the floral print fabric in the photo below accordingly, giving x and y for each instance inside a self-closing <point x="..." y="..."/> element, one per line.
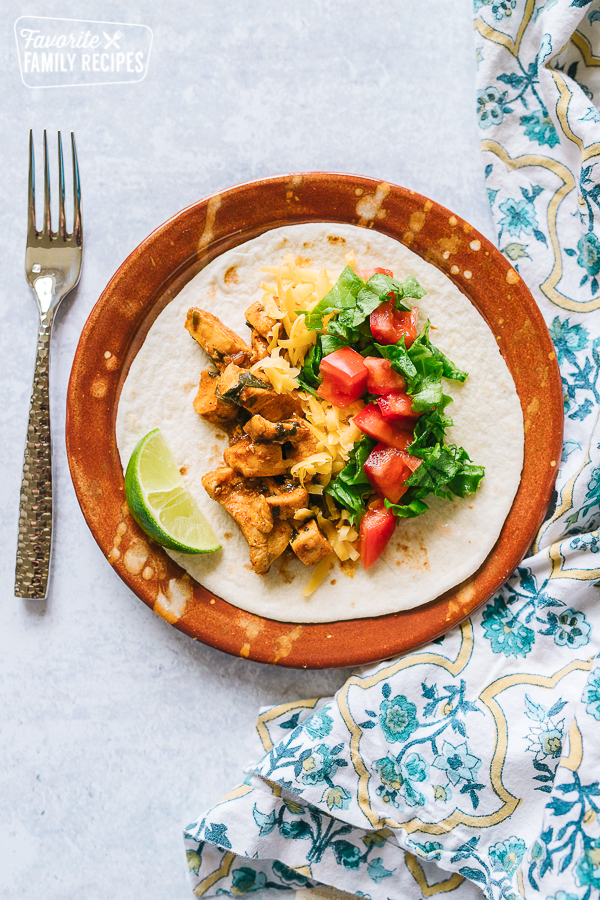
<point x="471" y="767"/>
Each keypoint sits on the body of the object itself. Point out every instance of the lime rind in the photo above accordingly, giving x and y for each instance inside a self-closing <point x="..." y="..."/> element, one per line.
<point x="161" y="503"/>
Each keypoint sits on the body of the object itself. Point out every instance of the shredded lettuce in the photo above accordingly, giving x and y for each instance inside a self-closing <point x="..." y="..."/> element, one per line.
<point x="309" y="374"/>
<point x="446" y="470"/>
<point x="342" y="296"/>
<point x="354" y="301"/>
<point x="407" y="510"/>
<point x="422" y="348"/>
<point x="351" y="487"/>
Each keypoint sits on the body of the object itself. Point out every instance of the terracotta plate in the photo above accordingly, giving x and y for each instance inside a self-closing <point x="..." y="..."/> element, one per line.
<point x="159" y="268"/>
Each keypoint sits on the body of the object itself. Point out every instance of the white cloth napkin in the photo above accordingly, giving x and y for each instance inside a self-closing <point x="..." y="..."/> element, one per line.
<point x="472" y="765"/>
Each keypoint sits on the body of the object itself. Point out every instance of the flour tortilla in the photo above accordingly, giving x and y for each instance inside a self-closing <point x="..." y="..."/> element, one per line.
<point x="427" y="555"/>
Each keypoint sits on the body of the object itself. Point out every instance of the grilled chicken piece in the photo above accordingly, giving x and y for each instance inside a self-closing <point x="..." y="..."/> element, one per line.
<point x="277" y="541"/>
<point x="271" y="405"/>
<point x="256" y="394"/>
<point x="249" y="508"/>
<point x="210" y="406"/>
<point x="303" y="448"/>
<point x="230" y="386"/>
<point x="286" y="499"/>
<point x="260" y="429"/>
<point x="310" y="545"/>
<point x="258" y="319"/>
<point x="255" y="460"/>
<point x="236" y="431"/>
<point x="259" y="345"/>
<point x="221" y="343"/>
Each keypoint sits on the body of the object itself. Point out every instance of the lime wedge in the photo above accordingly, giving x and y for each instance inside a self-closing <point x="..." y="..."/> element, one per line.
<point x="160" y="502"/>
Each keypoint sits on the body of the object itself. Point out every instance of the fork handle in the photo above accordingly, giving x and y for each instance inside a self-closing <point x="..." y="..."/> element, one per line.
<point x="35" y="514"/>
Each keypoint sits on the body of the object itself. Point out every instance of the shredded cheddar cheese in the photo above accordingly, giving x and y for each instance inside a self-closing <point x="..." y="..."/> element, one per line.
<point x="278" y="371"/>
<point x="292" y="289"/>
<point x="320" y="572"/>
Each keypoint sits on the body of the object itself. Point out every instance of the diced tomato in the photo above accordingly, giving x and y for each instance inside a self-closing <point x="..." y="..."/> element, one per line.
<point x="413" y="462"/>
<point x="389" y="324"/>
<point x="398" y="407"/>
<point x="388" y="470"/>
<point x="372" y="422"/>
<point x="365" y="274"/>
<point x="382" y="378"/>
<point x="376" y="528"/>
<point x="344" y="371"/>
<point x="329" y="391"/>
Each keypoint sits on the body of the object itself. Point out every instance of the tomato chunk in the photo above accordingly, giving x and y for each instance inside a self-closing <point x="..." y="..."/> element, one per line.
<point x="329" y="391"/>
<point x="382" y="378"/>
<point x="344" y="377"/>
<point x="376" y="528"/>
<point x="388" y="470"/>
<point x="346" y="372"/>
<point x="389" y="324"/>
<point x="372" y="422"/>
<point x="398" y="407"/>
<point x="365" y="274"/>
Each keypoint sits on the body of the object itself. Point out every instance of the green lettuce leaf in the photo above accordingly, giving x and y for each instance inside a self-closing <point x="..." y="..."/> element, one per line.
<point x="467" y="480"/>
<point x="422" y="342"/>
<point x="354" y="301"/>
<point x="385" y="285"/>
<point x="342" y="296"/>
<point x="411" y="288"/>
<point x="400" y="360"/>
<point x="444" y="467"/>
<point x="351" y="487"/>
<point x="309" y="373"/>
<point x="407" y="510"/>
<point x="430" y="428"/>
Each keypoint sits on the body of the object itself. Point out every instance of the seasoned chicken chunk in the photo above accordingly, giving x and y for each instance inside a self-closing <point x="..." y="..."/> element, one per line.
<point x="303" y="448"/>
<point x="221" y="343"/>
<point x="255" y="460"/>
<point x="277" y="541"/>
<point x="286" y="499"/>
<point x="244" y="502"/>
<point x="257" y="395"/>
<point x="236" y="431"/>
<point x="257" y="318"/>
<point x="259" y="345"/>
<point x="310" y="545"/>
<point x="232" y="381"/>
<point x="271" y="405"/>
<point x="260" y="429"/>
<point x="210" y="406"/>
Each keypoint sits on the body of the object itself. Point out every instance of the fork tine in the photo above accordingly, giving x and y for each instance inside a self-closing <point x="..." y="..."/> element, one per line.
<point x="62" y="228"/>
<point x="31" y="232"/>
<point x="77" y="223"/>
<point x="47" y="230"/>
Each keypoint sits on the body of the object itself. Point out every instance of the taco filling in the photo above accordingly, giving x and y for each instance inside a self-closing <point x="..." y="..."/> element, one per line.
<point x="335" y="412"/>
<point x="329" y="417"/>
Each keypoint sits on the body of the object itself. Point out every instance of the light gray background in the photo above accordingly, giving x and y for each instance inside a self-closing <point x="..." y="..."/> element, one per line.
<point x="115" y="729"/>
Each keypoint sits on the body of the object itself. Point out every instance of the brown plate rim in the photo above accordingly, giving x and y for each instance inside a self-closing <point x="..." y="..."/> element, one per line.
<point x="157" y="269"/>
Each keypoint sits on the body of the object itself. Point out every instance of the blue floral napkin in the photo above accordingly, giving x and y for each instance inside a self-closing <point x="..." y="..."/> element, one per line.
<point x="472" y="765"/>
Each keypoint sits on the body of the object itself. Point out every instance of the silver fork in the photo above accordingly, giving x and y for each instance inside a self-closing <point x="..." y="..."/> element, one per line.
<point x="52" y="268"/>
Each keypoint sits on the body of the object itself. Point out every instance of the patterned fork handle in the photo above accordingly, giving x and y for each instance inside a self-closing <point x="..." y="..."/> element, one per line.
<point x="35" y="514"/>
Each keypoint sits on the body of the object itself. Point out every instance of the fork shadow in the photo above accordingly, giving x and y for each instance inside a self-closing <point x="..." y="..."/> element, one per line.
<point x="37" y="608"/>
